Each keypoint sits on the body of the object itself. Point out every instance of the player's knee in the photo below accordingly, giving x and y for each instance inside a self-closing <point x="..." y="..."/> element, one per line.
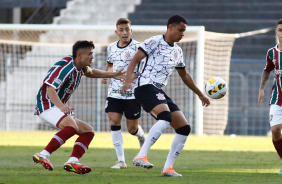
<point x="185" y="130"/>
<point x="165" y="115"/>
<point x="115" y="128"/>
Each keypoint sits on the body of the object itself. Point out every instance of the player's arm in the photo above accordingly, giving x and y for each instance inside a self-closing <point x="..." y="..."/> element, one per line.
<point x="264" y="78"/>
<point x="189" y="82"/>
<point x="53" y="96"/>
<point x="95" y="73"/>
<point x="129" y="77"/>
<point x="109" y="68"/>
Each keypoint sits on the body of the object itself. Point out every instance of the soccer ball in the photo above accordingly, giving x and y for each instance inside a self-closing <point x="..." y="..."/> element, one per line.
<point x="216" y="88"/>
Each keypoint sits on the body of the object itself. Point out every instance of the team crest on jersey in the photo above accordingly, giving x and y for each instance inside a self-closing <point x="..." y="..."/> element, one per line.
<point x="160" y="96"/>
<point x="127" y="55"/>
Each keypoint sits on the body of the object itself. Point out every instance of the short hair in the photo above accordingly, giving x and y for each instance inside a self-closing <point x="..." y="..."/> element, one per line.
<point x="278" y="22"/>
<point x="123" y="21"/>
<point x="82" y="44"/>
<point x="176" y="19"/>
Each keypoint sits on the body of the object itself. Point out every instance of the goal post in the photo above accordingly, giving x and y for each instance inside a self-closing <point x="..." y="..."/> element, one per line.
<point x="32" y="49"/>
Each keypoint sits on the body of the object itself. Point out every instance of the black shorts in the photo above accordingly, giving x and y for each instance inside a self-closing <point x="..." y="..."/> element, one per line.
<point x="130" y="108"/>
<point x="149" y="97"/>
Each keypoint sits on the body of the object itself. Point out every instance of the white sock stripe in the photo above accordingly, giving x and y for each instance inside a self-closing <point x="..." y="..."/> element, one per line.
<point x="61" y="141"/>
<point x="82" y="145"/>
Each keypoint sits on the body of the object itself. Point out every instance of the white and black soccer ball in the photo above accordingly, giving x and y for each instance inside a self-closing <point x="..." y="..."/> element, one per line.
<point x="216" y="88"/>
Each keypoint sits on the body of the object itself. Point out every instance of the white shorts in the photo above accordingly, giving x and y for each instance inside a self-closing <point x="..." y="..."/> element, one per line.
<point x="53" y="116"/>
<point x="275" y="115"/>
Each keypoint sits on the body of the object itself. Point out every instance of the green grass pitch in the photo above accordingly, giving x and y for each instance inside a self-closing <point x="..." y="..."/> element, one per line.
<point x="204" y="160"/>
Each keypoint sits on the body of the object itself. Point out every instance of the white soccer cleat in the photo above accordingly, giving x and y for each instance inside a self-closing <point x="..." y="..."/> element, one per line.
<point x="120" y="165"/>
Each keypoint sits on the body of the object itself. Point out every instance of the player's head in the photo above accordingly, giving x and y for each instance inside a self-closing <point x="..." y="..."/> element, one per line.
<point x="278" y="30"/>
<point x="176" y="26"/>
<point x="83" y="52"/>
<point x="123" y="30"/>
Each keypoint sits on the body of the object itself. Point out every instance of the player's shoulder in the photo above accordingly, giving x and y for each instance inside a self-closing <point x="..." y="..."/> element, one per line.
<point x="113" y="44"/>
<point x="64" y="61"/>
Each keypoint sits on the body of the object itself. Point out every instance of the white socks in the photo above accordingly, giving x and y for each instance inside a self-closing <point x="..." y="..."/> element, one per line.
<point x="154" y="133"/>
<point x="118" y="144"/>
<point x="176" y="147"/>
<point x="46" y="153"/>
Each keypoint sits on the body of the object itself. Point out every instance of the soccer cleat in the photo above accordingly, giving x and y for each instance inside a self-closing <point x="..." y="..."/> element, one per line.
<point x="280" y="172"/>
<point x="170" y="173"/>
<point x="38" y="158"/>
<point x="142" y="162"/>
<point x="120" y="165"/>
<point x="76" y="167"/>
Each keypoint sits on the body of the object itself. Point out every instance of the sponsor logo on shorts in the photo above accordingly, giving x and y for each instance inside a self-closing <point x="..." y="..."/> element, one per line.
<point x="160" y="96"/>
<point x="270" y="118"/>
<point x="135" y="114"/>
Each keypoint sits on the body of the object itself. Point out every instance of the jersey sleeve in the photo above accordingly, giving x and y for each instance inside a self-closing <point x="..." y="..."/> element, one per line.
<point x="86" y="70"/>
<point x="58" y="75"/>
<point x="181" y="63"/>
<point x="269" y="63"/>
<point x="109" y="58"/>
<point x="149" y="46"/>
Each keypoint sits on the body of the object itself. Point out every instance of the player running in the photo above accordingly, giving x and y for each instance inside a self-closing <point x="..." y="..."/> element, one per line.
<point x="273" y="61"/>
<point x="163" y="55"/>
<point x="119" y="55"/>
<point x="60" y="82"/>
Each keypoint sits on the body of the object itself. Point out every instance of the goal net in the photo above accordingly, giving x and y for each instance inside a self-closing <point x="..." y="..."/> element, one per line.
<point x="28" y="51"/>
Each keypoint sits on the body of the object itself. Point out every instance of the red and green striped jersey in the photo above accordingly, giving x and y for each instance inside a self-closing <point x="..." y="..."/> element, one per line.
<point x="64" y="77"/>
<point x="274" y="62"/>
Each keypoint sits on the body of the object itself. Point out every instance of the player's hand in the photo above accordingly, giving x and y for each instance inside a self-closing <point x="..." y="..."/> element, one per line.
<point x="261" y="96"/>
<point x="205" y="100"/>
<point x="67" y="109"/>
<point x="135" y="76"/>
<point x="120" y="75"/>
<point x="104" y="80"/>
<point x="126" y="86"/>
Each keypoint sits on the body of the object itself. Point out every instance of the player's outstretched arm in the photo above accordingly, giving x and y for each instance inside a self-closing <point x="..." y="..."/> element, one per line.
<point x="264" y="78"/>
<point x="189" y="82"/>
<point x="109" y="68"/>
<point x="129" y="72"/>
<point x="95" y="73"/>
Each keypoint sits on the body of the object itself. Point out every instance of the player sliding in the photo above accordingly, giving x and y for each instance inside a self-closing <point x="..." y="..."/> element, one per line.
<point x="273" y="61"/>
<point x="58" y="85"/>
<point x="163" y="55"/>
<point x="119" y="55"/>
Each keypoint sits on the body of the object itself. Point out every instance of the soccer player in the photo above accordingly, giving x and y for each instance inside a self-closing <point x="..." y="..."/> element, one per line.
<point x="163" y="55"/>
<point x="273" y="61"/>
<point x="119" y="55"/>
<point x="60" y="82"/>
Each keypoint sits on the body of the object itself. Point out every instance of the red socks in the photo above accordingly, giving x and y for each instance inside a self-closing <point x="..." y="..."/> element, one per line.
<point x="60" y="138"/>
<point x="81" y="144"/>
<point x="278" y="147"/>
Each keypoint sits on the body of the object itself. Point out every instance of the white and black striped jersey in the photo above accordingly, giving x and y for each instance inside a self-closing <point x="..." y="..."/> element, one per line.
<point x="120" y="58"/>
<point x="162" y="58"/>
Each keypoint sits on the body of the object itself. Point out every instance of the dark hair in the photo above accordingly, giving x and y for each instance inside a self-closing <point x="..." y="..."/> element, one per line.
<point x="123" y="21"/>
<point x="278" y="22"/>
<point x="176" y="19"/>
<point x="81" y="45"/>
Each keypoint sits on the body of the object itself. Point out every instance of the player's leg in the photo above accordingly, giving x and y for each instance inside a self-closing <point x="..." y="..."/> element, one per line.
<point x="114" y="109"/>
<point x="117" y="139"/>
<point x="132" y="112"/>
<point x="85" y="136"/>
<point x="275" y="120"/>
<point x="152" y="100"/>
<point x="164" y="118"/>
<point x="68" y="128"/>
<point x="182" y="129"/>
